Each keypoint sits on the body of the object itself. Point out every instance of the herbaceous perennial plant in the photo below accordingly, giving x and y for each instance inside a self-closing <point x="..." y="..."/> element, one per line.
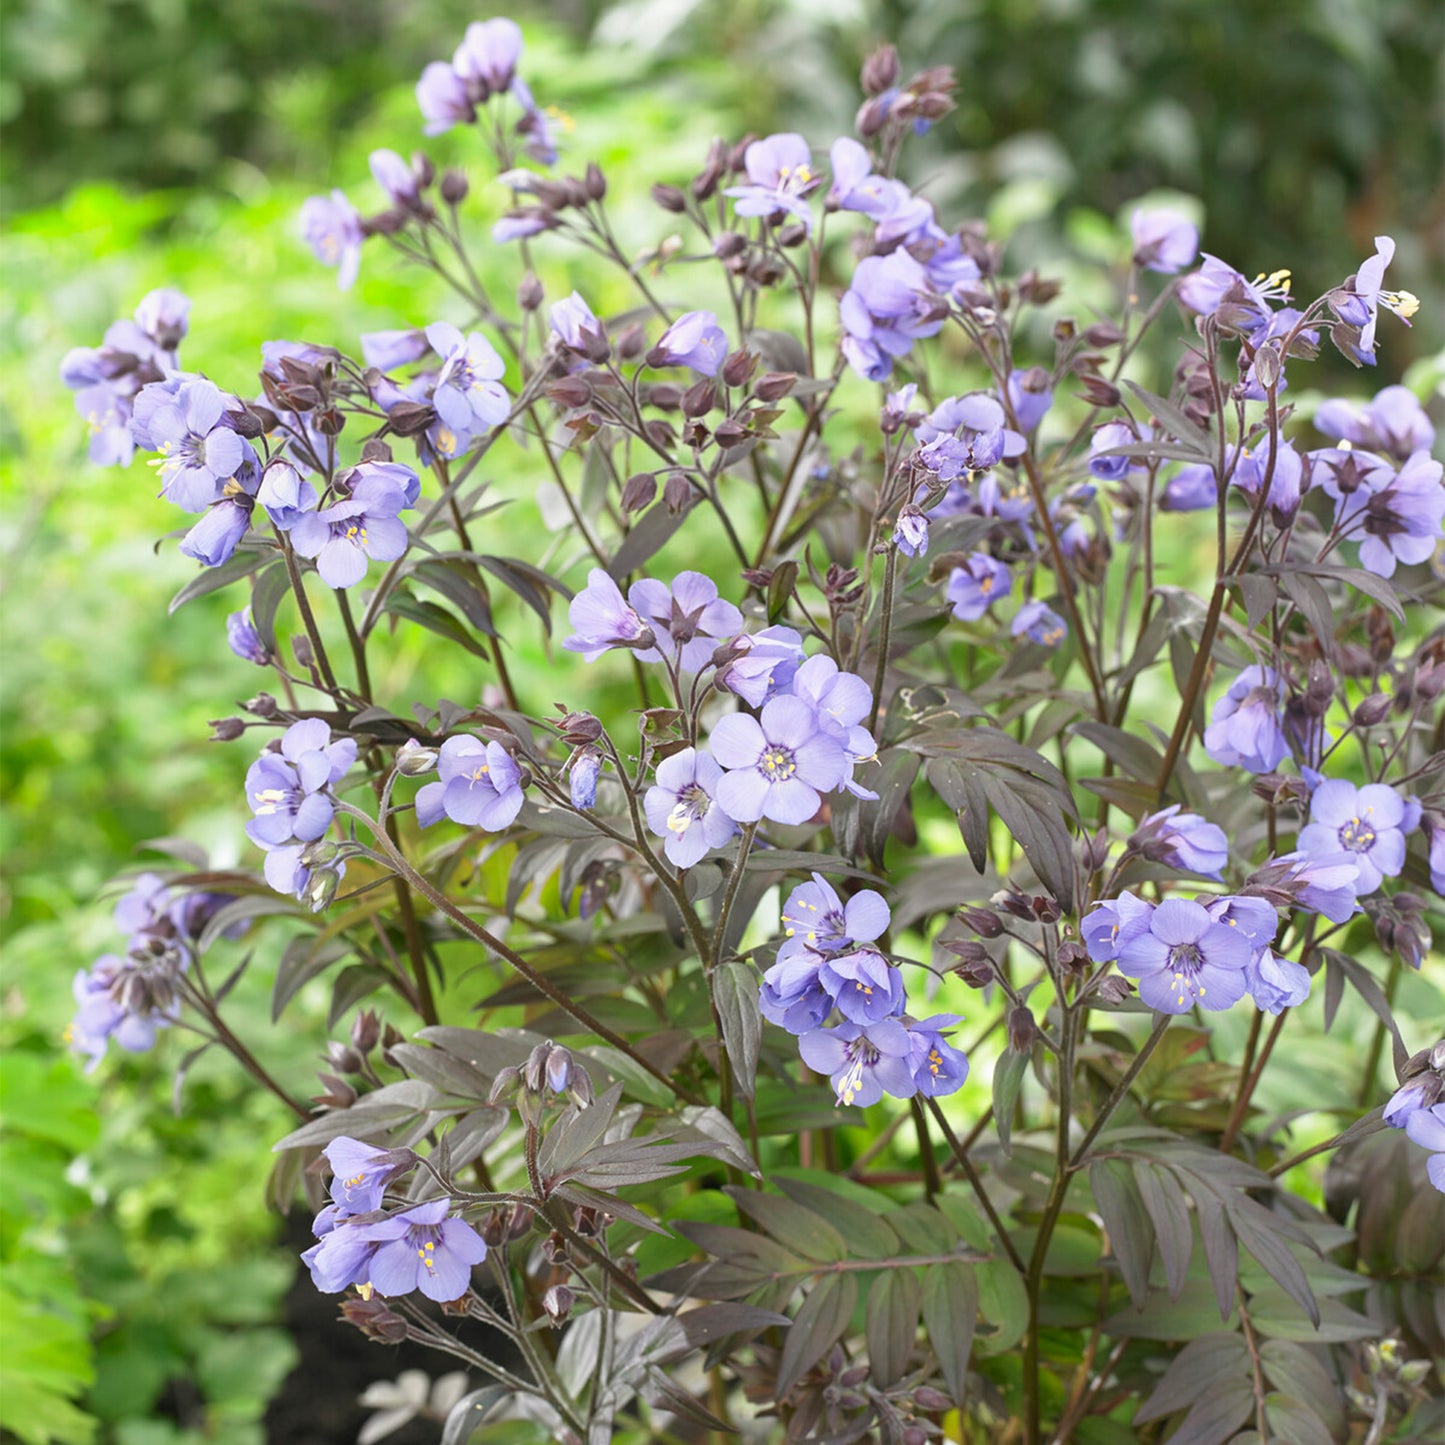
<point x="937" y="579"/>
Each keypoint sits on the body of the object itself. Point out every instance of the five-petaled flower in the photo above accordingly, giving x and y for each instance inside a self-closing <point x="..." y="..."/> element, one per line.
<point x="778" y="764"/>
<point x="683" y="810"/>
<point x="1369" y="823"/>
<point x="479" y="786"/>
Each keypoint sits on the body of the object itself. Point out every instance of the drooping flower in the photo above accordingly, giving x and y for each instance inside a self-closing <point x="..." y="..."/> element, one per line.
<point x="1366" y="822"/>
<point x="1106" y="438"/>
<point x="864" y="1061"/>
<point x="816" y="919"/>
<point x="361" y="1172"/>
<point x="1394" y="423"/>
<point x="1182" y="840"/>
<point x="343" y="536"/>
<point x="1183" y="957"/>
<point x="1426" y="1127"/>
<point x="1359" y="306"/>
<point x="128" y="999"/>
<point x="442" y="96"/>
<point x="1400" y="517"/>
<point x="1030" y="394"/>
<point x="479" y="786"/>
<point x="682" y="807"/>
<point x="1277" y="983"/>
<point x="388" y="350"/>
<point x="855" y="187"/>
<point x="486" y="60"/>
<point x="578" y="329"/>
<point x="1039" y="624"/>
<point x="1245" y="729"/>
<point x="694" y="339"/>
<point x="977" y="585"/>
<point x="603" y="619"/>
<point x="762" y="665"/>
<point x="395" y="177"/>
<point x="343" y="1257"/>
<point x="244" y="640"/>
<point x="536" y="125"/>
<point x="469" y="395"/>
<point x="1421" y="1092"/>
<point x="890" y="305"/>
<point x="223" y="524"/>
<point x="1327" y="884"/>
<point x="863" y="984"/>
<point x="284" y="493"/>
<point x="841" y="701"/>
<point x="938" y="1068"/>
<point x="911" y="531"/>
<point x="332" y="227"/>
<point x="1285" y="481"/>
<point x="1109" y="925"/>
<point x="777" y="765"/>
<point x="780" y="174"/>
<point x="1164" y="241"/>
<point x="690" y="613"/>
<point x="1218" y="290"/>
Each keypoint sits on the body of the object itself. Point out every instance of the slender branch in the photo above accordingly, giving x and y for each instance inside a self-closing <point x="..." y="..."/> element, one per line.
<point x="960" y="1152"/>
<point x="1136" y="1067"/>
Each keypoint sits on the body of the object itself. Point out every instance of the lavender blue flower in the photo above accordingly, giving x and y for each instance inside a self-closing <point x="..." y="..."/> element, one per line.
<point x="841" y="701"/>
<point x="535" y="125"/>
<point x="223" y="524"/>
<point x="443" y="98"/>
<point x="244" y="640"/>
<point x="1191" y="489"/>
<point x="682" y="808"/>
<point x="421" y="1249"/>
<point x="395" y="177"/>
<point x="1245" y="729"/>
<point x="1393" y="422"/>
<point x="1164" y="241"/>
<point x="938" y="1068"/>
<point x="1039" y="624"/>
<point x="1276" y="983"/>
<point x="1184" y="957"/>
<point x="777" y="765"/>
<point x="128" y="999"/>
<point x="1112" y="434"/>
<point x="1217" y="289"/>
<point x="1182" y="840"/>
<point x="332" y="227"/>
<point x="694" y="339"/>
<point x="389" y="350"/>
<point x="1030" y="394"/>
<point x="977" y="585"/>
<point x="1368" y="823"/>
<point x="479" y="786"/>
<point x="890" y="305"/>
<point x="689" y="612"/>
<point x="979" y="420"/>
<point x="1362" y="310"/>
<point x="343" y="1257"/>
<point x="361" y="1172"/>
<point x="910" y="532"/>
<point x="586" y="768"/>
<point x="285" y="494"/>
<point x="816" y="920"/>
<point x="863" y="984"/>
<point x="486" y="60"/>
<point x="792" y="995"/>
<point x="1421" y="1092"/>
<point x="780" y="174"/>
<point x="602" y="619"/>
<point x="289" y="788"/>
<point x="1285" y="483"/>
<point x="1400" y="516"/>
<point x="198" y="452"/>
<point x="1328" y="884"/>
<point x="578" y="329"/>
<point x="469" y="396"/>
<point x="1109" y="925"/>
<point x="343" y="536"/>
<point x="763" y="664"/>
<point x="1426" y="1127"/>
<point x="864" y="1061"/>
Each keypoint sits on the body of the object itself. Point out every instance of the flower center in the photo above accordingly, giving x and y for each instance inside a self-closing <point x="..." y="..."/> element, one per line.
<point x="692" y="803"/>
<point x="860" y="1055"/>
<point x="1357" y="836"/>
<point x="1186" y="960"/>
<point x="777" y="764"/>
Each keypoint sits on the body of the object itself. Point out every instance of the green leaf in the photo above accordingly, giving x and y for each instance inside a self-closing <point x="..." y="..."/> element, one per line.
<point x="735" y="994"/>
<point x="892" y="1323"/>
<point x="791" y="1224"/>
<point x="1003" y="1302"/>
<point x="1293" y="1370"/>
<point x="950" y="1315"/>
<point x="1274" y="1314"/>
<point x="1293" y="1420"/>
<point x="435" y="619"/>
<point x="825" y="1315"/>
<point x="869" y="1236"/>
<point x="1008" y="1078"/>
<point x="1131" y="1234"/>
<point x="1169" y="1213"/>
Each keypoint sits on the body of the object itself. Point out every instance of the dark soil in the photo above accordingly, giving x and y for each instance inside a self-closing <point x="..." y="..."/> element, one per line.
<point x="317" y="1402"/>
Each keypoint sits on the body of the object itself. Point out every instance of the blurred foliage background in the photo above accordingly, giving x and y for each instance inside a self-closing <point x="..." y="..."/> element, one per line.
<point x="170" y="142"/>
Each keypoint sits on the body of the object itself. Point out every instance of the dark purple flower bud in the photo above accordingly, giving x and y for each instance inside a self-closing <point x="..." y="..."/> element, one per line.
<point x="375" y="1319"/>
<point x="880" y="70"/>
<point x="670" y="198"/>
<point x="983" y="921"/>
<point x="729" y="244"/>
<point x="226" y="729"/>
<point x="677" y="492"/>
<point x="557" y="1303"/>
<point x="639" y="492"/>
<point x="1113" y="989"/>
<point x="579" y="728"/>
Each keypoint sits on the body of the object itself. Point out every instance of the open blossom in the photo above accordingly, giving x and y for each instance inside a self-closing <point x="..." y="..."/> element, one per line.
<point x="779" y="765"/>
<point x="1109" y="925"/>
<point x="289" y="789"/>
<point x="1039" y="624"/>
<point x="1327" y="883"/>
<point x="1393" y="423"/>
<point x="863" y="984"/>
<point x="332" y="227"/>
<point x="864" y="1061"/>
<point x="1030" y="394"/>
<point x="1369" y="823"/>
<point x="361" y="1172"/>
<point x="694" y="339"/>
<point x="578" y="329"/>
<point x="1218" y="290"/>
<point x="889" y="306"/>
<point x="244" y="640"/>
<point x="1397" y="517"/>
<point x="816" y="919"/>
<point x="841" y="701"/>
<point x="486" y="60"/>
<point x="395" y="177"/>
<point x="479" y="786"/>
<point x="1277" y="983"/>
<point x="388" y="350"/>
<point x="977" y="585"/>
<point x="780" y="174"/>
<point x="1245" y="729"/>
<point x="1182" y="840"/>
<point x="1191" y="489"/>
<point x="690" y="613"/>
<point x="938" y="1068"/>
<point x="1359" y="307"/>
<point x="1164" y="241"/>
<point x="1184" y="956"/>
<point x="443" y="98"/>
<point x="683" y="810"/>
<point x="198" y="451"/>
<point x="417" y="1249"/>
<point x="603" y="619"/>
<point x="1285" y="481"/>
<point x="365" y="525"/>
<point x="128" y="999"/>
<point x="469" y="395"/>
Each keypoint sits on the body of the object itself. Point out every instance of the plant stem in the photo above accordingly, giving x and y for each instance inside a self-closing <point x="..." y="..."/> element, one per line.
<point x="971" y="1173"/>
<point x="890" y="572"/>
<point x="932" y="1184"/>
<point x="1136" y="1067"/>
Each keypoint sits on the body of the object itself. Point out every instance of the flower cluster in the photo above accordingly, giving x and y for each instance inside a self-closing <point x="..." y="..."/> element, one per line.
<point x="289" y="788"/>
<point x="828" y="961"/>
<point x="417" y="1249"/>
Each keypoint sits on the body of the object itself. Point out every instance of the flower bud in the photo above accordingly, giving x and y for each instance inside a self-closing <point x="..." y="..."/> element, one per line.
<point x="530" y="292"/>
<point x="570" y="392"/>
<point x="1113" y="989"/>
<point x="414" y="759"/>
<point x="983" y="921"/>
<point x="880" y="70"/>
<point x="343" y="1058"/>
<point x="454" y="187"/>
<point x="925" y="1397"/>
<point x="321" y="889"/>
<point x="1098" y="392"/>
<point x="677" y="493"/>
<point x="226" y="729"/>
<point x="375" y="1319"/>
<point x="728" y="244"/>
<point x="262" y="705"/>
<point x="557" y="1303"/>
<point x="739" y="367"/>
<point x="1373" y="710"/>
<point x="669" y="198"/>
<point x="365" y="1031"/>
<point x="639" y="492"/>
<point x="871" y="118"/>
<point x="774" y="385"/>
<point x="1022" y="1030"/>
<point x="1267" y="366"/>
<point x="699" y="398"/>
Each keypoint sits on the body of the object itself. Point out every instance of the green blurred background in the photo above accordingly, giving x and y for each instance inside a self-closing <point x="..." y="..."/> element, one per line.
<point x="170" y="142"/>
